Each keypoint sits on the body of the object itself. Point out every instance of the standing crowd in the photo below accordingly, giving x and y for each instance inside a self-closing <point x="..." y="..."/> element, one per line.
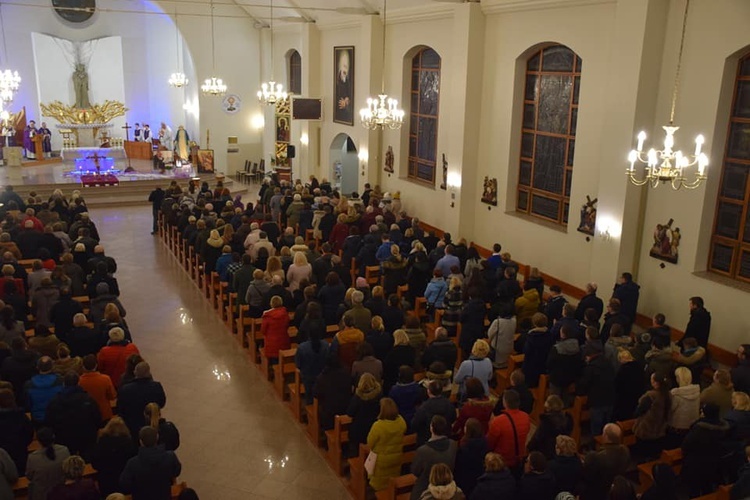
<point x="80" y="413"/>
<point x="302" y="255"/>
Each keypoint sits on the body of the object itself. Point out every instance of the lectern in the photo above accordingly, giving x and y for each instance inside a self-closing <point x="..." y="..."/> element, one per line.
<point x="38" y="139"/>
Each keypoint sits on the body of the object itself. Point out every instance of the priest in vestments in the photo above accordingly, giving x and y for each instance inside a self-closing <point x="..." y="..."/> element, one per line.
<point x="28" y="140"/>
<point x="182" y="141"/>
<point x="165" y="136"/>
<point x="46" y="140"/>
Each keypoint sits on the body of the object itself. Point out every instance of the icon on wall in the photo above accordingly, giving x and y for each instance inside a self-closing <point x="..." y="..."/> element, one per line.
<point x="588" y="216"/>
<point x="444" y="184"/>
<point x="389" y="160"/>
<point x="231" y="104"/>
<point x="489" y="193"/>
<point x="666" y="242"/>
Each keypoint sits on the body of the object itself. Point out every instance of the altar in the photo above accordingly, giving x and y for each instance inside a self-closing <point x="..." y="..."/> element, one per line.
<point x="73" y="154"/>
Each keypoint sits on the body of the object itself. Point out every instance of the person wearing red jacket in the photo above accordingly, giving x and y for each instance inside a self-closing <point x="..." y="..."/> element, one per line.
<point x="274" y="328"/>
<point x="339" y="233"/>
<point x="509" y="430"/>
<point x="113" y="357"/>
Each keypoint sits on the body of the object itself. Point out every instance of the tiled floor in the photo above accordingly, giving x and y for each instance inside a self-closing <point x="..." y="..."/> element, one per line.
<point x="238" y="441"/>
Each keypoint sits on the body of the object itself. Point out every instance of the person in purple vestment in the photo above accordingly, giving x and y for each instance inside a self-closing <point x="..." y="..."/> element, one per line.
<point x="28" y="144"/>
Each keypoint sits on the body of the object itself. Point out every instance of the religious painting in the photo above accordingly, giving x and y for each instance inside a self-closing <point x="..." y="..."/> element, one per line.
<point x="489" y="192"/>
<point x="75" y="11"/>
<point x="444" y="184"/>
<point x="343" y="77"/>
<point x="205" y="161"/>
<point x="282" y="128"/>
<point x="588" y="216"/>
<point x="666" y="242"/>
<point x="389" y="160"/>
<point x="231" y="104"/>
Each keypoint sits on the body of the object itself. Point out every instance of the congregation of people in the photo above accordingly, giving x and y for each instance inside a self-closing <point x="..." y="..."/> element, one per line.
<point x="422" y="348"/>
<point x="80" y="412"/>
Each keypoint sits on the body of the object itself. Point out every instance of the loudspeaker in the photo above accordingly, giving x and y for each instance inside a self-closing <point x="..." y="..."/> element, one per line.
<point x="291" y="151"/>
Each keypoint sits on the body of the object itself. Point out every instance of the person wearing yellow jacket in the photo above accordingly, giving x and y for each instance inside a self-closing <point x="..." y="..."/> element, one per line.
<point x="527" y="305"/>
<point x="386" y="440"/>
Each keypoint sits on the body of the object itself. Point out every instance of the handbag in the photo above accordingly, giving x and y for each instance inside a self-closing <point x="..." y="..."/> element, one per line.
<point x="370" y="462"/>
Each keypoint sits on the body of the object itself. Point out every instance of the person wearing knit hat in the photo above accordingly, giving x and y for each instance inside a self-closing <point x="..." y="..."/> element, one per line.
<point x="212" y="251"/>
<point x="116" y="334"/>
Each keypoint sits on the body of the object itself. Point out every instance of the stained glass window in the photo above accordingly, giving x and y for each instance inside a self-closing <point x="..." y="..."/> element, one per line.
<point x="730" y="240"/>
<point x="423" y="117"/>
<point x="550" y="116"/>
<point x="295" y="73"/>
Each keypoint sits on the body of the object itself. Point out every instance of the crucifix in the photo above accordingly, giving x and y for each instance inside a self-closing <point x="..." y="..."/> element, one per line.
<point x="127" y="131"/>
<point x="96" y="159"/>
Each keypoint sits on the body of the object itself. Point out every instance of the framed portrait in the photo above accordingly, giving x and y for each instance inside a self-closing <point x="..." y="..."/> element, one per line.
<point x="205" y="161"/>
<point x="343" y="85"/>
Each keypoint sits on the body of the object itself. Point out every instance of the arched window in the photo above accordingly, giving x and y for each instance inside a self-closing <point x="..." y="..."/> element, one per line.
<point x="550" y="115"/>
<point x="423" y="116"/>
<point x="730" y="241"/>
<point x="295" y="73"/>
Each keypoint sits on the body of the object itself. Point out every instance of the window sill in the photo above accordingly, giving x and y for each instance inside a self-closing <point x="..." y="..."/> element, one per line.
<point x="419" y="183"/>
<point x="723" y="280"/>
<point x="536" y="220"/>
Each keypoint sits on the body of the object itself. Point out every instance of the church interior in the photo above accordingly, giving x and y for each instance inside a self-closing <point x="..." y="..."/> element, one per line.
<point x="511" y="122"/>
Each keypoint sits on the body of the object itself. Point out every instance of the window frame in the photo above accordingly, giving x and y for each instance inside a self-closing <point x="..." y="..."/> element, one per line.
<point x="416" y="65"/>
<point x="295" y="73"/>
<point x="737" y="244"/>
<point x="529" y="191"/>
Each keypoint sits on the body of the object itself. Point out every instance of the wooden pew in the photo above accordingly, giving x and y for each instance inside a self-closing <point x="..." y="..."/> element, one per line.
<point x="230" y="312"/>
<point x="358" y="476"/>
<point x="296" y="393"/>
<point x="673" y="458"/>
<point x="337" y="438"/>
<point x="399" y="488"/>
<point x="372" y="275"/>
<point x="540" y="396"/>
<point x="223" y="300"/>
<point x="503" y="374"/>
<point x="254" y="338"/>
<point x="313" y="423"/>
<point x="579" y="412"/>
<point x="285" y="367"/>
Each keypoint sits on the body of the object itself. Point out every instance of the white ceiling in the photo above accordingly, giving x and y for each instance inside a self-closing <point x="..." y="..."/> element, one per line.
<point x="323" y="12"/>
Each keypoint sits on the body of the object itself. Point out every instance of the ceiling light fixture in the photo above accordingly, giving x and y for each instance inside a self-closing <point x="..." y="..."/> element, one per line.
<point x="10" y="81"/>
<point x="178" y="79"/>
<point x="668" y="165"/>
<point x="382" y="112"/>
<point x="271" y="92"/>
<point x="214" y="85"/>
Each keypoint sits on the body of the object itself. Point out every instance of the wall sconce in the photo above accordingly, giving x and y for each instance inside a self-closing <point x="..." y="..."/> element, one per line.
<point x="454" y="184"/>
<point x="304" y="139"/>
<point x="608" y="228"/>
<point x="258" y="121"/>
<point x="363" y="156"/>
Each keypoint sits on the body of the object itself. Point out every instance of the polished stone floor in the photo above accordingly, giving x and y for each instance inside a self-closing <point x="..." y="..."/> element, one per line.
<point x="238" y="441"/>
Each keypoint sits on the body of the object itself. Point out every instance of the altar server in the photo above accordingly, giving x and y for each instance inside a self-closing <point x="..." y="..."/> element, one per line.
<point x="47" y="139"/>
<point x="137" y="132"/>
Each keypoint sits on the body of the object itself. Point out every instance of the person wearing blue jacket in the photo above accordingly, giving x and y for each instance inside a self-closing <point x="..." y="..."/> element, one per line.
<point x="435" y="291"/>
<point x="42" y="388"/>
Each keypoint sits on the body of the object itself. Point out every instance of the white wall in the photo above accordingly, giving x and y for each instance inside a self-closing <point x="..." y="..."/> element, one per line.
<point x="54" y="82"/>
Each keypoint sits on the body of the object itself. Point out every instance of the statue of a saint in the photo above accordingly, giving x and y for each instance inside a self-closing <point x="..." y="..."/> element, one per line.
<point x="81" y="87"/>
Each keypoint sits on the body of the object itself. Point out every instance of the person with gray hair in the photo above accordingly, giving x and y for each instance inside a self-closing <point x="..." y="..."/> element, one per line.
<point x="7" y="245"/>
<point x="589" y="301"/>
<point x="361" y="316"/>
<point x="134" y="396"/>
